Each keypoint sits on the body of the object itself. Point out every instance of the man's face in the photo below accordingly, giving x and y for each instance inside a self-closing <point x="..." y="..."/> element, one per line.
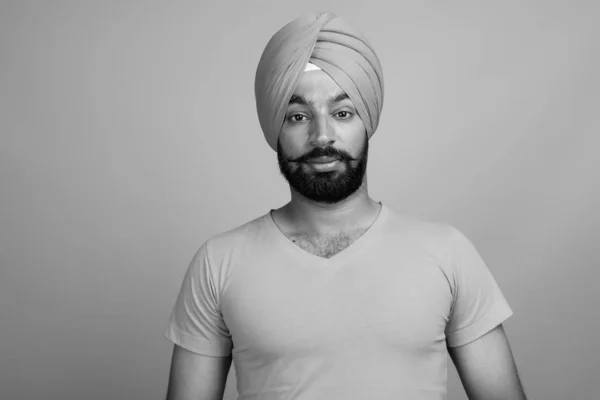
<point x="321" y="122"/>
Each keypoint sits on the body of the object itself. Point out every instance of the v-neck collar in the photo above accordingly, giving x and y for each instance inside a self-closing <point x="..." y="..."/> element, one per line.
<point x="353" y="248"/>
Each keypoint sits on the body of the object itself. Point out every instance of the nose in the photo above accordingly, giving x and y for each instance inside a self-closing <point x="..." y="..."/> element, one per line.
<point x="322" y="133"/>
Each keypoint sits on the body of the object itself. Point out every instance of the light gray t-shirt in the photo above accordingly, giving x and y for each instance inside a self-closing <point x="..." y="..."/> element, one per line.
<point x="371" y="322"/>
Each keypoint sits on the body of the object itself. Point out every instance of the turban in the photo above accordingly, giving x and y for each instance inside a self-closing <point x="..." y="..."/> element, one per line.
<point x="330" y="43"/>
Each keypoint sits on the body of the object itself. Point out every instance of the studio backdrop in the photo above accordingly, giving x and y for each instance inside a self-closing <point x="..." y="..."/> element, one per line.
<point x="129" y="136"/>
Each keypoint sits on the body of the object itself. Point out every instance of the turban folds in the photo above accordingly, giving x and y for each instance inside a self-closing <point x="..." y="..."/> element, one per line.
<point x="330" y="43"/>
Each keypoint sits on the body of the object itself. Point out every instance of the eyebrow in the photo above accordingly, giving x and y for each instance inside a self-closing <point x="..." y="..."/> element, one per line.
<point x="298" y="99"/>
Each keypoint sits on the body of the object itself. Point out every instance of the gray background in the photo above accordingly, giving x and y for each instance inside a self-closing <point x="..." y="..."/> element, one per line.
<point x="129" y="135"/>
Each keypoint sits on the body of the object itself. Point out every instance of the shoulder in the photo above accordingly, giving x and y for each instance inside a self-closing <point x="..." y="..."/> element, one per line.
<point x="435" y="234"/>
<point x="437" y="240"/>
<point x="238" y="239"/>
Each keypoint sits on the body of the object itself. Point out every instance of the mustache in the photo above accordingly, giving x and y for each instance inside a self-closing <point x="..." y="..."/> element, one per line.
<point x="319" y="152"/>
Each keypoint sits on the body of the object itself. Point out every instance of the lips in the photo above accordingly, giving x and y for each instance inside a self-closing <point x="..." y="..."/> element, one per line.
<point x="323" y="160"/>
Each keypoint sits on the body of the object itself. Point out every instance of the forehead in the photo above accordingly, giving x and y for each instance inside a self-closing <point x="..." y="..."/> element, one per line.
<point x="317" y="85"/>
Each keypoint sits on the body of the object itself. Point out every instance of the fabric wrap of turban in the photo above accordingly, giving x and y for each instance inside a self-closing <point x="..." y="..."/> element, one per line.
<point x="332" y="44"/>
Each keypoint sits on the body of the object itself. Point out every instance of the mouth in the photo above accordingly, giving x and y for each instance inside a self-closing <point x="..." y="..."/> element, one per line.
<point x="323" y="160"/>
<point x="324" y="166"/>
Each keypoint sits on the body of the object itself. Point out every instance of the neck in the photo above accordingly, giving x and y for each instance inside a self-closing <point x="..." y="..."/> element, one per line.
<point x="310" y="217"/>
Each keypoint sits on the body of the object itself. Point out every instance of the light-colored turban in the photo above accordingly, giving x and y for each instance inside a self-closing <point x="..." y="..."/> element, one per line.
<point x="332" y="44"/>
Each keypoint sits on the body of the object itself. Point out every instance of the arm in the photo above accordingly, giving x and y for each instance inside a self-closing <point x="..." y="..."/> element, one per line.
<point x="487" y="369"/>
<point x="195" y="376"/>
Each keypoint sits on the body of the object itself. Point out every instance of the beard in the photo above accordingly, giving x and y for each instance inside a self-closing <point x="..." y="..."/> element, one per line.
<point x="325" y="187"/>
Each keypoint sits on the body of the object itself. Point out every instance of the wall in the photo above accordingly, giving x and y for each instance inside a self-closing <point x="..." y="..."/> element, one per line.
<point x="129" y="136"/>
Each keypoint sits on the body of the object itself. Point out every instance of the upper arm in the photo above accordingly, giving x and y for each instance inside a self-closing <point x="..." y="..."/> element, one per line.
<point x="196" y="376"/>
<point x="202" y="343"/>
<point x="487" y="369"/>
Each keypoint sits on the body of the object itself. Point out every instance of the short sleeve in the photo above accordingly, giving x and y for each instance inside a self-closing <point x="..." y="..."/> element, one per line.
<point x="478" y="305"/>
<point x="196" y="322"/>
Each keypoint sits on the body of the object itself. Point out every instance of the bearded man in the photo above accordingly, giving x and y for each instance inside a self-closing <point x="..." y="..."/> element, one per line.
<point x="335" y="295"/>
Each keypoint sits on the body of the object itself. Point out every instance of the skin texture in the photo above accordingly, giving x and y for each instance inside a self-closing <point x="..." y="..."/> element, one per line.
<point x="326" y="246"/>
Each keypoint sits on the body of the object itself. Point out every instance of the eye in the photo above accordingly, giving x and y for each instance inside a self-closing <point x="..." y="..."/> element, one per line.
<point x="344" y="114"/>
<point x="297" y="117"/>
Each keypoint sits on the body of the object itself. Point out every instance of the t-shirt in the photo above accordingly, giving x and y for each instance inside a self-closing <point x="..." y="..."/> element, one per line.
<point x="371" y="322"/>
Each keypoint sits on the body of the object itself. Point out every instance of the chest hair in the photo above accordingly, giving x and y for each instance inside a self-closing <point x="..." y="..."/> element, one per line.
<point x="326" y="246"/>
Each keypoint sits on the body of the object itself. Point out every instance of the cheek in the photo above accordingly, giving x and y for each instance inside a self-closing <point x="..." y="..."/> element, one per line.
<point x="357" y="134"/>
<point x="290" y="144"/>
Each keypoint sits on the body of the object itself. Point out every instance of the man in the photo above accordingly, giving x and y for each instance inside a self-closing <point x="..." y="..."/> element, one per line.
<point x="334" y="295"/>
